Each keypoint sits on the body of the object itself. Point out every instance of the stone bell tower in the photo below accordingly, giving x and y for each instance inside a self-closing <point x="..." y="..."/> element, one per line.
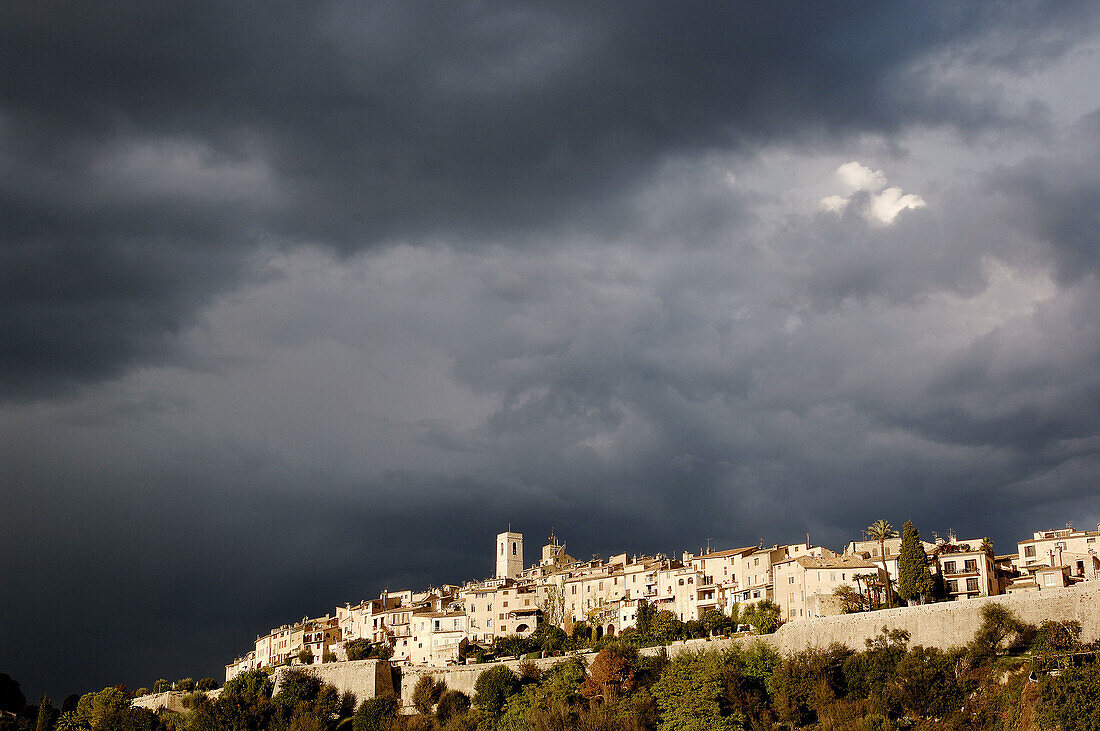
<point x="509" y="555"/>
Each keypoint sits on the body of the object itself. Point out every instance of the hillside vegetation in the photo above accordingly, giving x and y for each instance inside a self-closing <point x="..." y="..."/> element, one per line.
<point x="1010" y="676"/>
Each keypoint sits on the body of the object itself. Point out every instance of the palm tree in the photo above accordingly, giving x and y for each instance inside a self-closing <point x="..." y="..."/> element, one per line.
<point x="880" y="531"/>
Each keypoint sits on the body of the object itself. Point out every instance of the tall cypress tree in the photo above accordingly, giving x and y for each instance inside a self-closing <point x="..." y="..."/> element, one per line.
<point x="914" y="581"/>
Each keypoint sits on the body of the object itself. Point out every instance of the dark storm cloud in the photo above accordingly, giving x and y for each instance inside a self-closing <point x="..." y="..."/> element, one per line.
<point x="1057" y="198"/>
<point x="383" y="122"/>
<point x="397" y="276"/>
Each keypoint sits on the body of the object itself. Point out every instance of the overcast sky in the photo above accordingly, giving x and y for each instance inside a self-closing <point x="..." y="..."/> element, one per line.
<point x="298" y="303"/>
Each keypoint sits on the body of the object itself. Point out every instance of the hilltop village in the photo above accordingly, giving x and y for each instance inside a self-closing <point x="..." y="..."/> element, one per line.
<point x="439" y="626"/>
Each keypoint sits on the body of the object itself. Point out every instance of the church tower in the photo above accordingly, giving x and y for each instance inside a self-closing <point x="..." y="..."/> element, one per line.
<point x="509" y="555"/>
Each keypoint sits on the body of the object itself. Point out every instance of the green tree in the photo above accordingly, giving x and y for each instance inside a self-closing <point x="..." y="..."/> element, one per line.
<point x="715" y="622"/>
<point x="358" y="649"/>
<point x="882" y="531"/>
<point x="45" y="715"/>
<point x="1000" y="630"/>
<point x="514" y="645"/>
<point x="305" y="656"/>
<point x="297" y="688"/>
<point x="690" y="695"/>
<point x="96" y="710"/>
<point x="245" y="702"/>
<point x="914" y="579"/>
<point x="375" y="714"/>
<point x="550" y="637"/>
<point x="665" y="627"/>
<point x="1071" y="700"/>
<point x="763" y="616"/>
<point x="426" y="693"/>
<point x="161" y="686"/>
<point x="12" y="699"/>
<point x="206" y="684"/>
<point x="492" y="688"/>
<point x="451" y="704"/>
<point x="644" y="618"/>
<point x="185" y="685"/>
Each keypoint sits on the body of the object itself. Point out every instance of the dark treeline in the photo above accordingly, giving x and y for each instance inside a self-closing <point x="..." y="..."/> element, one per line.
<point x="1010" y="676"/>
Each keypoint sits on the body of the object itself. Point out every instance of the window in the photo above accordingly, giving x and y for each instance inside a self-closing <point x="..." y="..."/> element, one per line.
<point x="790" y="579"/>
<point x="691" y="580"/>
<point x="489" y="608"/>
<point x="971" y="564"/>
<point x="1050" y="580"/>
<point x="505" y="605"/>
<point x="953" y="586"/>
<point x="949" y="567"/>
<point x="972" y="584"/>
<point x="513" y="548"/>
<point x="1029" y="551"/>
<point x="681" y="582"/>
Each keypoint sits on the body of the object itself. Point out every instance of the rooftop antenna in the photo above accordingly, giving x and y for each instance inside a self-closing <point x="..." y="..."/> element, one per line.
<point x="708" y="544"/>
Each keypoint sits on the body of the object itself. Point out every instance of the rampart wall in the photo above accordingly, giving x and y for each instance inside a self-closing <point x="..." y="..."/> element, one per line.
<point x="939" y="625"/>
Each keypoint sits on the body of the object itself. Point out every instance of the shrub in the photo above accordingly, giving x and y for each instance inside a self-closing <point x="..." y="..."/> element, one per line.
<point x="923" y="683"/>
<point x="426" y="693"/>
<point x="763" y="616"/>
<point x="451" y="704"/>
<point x="358" y="649"/>
<point x="529" y="672"/>
<point x="374" y="714"/>
<point x="185" y="685"/>
<point x="1071" y="700"/>
<point x="807" y="682"/>
<point x="492" y="688"/>
<point x="1000" y="629"/>
<point x="690" y="694"/>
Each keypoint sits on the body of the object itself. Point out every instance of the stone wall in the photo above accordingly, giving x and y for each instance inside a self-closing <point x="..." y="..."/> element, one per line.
<point x="171" y="700"/>
<point x="364" y="678"/>
<point x="944" y="624"/>
<point x="933" y="625"/>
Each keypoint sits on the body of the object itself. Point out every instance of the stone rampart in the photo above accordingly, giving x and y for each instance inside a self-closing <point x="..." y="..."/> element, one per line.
<point x="364" y="678"/>
<point x="944" y="624"/>
<point x="171" y="700"/>
<point x="939" y="625"/>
